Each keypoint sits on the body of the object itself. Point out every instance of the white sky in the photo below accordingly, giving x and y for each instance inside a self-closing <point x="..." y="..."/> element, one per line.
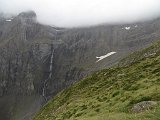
<point x="74" y="13"/>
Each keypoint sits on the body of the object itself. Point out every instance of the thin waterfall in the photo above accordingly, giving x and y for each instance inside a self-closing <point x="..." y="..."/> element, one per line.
<point x="51" y="65"/>
<point x="50" y="71"/>
<point x="49" y="76"/>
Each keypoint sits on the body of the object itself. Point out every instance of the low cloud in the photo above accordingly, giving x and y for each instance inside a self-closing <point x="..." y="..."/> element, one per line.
<point x="75" y="13"/>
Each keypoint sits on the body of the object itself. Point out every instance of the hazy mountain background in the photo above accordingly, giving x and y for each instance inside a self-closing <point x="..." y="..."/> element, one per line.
<point x="81" y="13"/>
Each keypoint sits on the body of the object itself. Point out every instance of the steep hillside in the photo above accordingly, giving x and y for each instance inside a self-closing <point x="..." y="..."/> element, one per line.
<point x="116" y="93"/>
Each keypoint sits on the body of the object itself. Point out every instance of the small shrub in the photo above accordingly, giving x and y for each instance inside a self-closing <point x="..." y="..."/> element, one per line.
<point x="105" y="98"/>
<point x="97" y="110"/>
<point x="140" y="99"/>
<point x="156" y="70"/>
<point x="83" y="107"/>
<point x="100" y="99"/>
<point x="79" y="114"/>
<point x="115" y="93"/>
<point x="67" y="115"/>
<point x="96" y="106"/>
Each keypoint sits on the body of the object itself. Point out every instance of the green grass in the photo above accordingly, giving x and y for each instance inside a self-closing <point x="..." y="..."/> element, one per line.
<point x="109" y="94"/>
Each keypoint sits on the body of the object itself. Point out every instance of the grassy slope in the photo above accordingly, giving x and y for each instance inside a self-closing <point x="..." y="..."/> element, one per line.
<point x="109" y="94"/>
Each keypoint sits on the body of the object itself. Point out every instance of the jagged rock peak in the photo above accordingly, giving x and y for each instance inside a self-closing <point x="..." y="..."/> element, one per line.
<point x="28" y="14"/>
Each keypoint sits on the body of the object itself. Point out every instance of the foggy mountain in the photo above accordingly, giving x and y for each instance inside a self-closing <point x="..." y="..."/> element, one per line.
<point x="82" y="13"/>
<point x="37" y="61"/>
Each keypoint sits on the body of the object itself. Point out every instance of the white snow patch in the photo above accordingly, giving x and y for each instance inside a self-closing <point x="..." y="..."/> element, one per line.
<point x="136" y="26"/>
<point x="105" y="56"/>
<point x="8" y="20"/>
<point x="58" y="30"/>
<point x="127" y="28"/>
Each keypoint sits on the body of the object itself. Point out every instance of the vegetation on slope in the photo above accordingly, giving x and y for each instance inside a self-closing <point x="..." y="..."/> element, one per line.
<point x="110" y="94"/>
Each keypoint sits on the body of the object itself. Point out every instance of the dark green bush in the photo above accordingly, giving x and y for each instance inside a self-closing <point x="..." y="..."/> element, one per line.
<point x="97" y="110"/>
<point x="115" y="93"/>
<point x="140" y="99"/>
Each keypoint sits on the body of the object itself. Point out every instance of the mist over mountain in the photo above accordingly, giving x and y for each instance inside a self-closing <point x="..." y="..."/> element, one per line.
<point x="76" y="13"/>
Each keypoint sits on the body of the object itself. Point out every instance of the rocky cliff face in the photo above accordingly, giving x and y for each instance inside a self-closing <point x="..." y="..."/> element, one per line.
<point x="25" y="49"/>
<point x="37" y="61"/>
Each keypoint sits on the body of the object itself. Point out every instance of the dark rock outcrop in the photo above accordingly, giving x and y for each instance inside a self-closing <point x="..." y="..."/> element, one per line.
<point x="144" y="105"/>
